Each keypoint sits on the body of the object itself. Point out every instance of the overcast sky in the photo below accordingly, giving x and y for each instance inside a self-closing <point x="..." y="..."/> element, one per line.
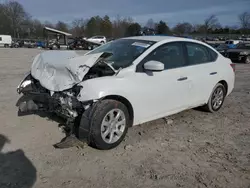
<point x="171" y="11"/>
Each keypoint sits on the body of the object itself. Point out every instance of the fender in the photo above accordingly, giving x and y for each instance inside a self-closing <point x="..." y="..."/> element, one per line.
<point x="95" y="89"/>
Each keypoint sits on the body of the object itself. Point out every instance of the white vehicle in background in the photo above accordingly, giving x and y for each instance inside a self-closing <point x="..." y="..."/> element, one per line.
<point x="98" y="39"/>
<point x="5" y="41"/>
<point x="127" y="82"/>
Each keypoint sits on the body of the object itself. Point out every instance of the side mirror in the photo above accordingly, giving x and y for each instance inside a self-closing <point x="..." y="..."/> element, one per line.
<point x="154" y="66"/>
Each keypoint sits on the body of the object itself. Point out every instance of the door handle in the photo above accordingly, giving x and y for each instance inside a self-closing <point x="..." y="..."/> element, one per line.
<point x="213" y="73"/>
<point x="182" y="78"/>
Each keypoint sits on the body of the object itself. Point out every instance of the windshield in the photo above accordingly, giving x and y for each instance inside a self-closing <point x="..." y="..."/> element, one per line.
<point x="243" y="46"/>
<point x="229" y="42"/>
<point x="124" y="51"/>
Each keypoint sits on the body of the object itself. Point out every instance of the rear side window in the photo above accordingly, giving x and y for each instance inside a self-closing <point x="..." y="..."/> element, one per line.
<point x="0" y="38"/>
<point x="199" y="54"/>
<point x="213" y="54"/>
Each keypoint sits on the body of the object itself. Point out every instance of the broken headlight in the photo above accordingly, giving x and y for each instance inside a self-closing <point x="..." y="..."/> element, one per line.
<point x="24" y="83"/>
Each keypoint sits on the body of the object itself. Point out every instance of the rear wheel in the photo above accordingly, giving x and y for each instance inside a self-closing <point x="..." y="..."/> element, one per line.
<point x="216" y="99"/>
<point x="108" y="124"/>
<point x="6" y="45"/>
<point x="247" y="60"/>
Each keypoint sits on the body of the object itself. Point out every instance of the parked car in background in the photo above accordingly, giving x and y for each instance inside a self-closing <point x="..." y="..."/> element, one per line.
<point x="40" y="44"/>
<point x="240" y="54"/>
<point x="5" y="41"/>
<point x="98" y="39"/>
<point x="222" y="48"/>
<point x="126" y="82"/>
<point x="82" y="44"/>
<point x="31" y="44"/>
<point x="54" y="44"/>
<point x="27" y="43"/>
<point x="232" y="43"/>
<point x="14" y="44"/>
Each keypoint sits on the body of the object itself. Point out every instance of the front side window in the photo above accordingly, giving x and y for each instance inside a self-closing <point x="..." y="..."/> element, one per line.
<point x="171" y="55"/>
<point x="197" y="54"/>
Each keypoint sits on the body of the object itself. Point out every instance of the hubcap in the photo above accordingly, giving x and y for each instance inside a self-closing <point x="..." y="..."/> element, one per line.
<point x="113" y="126"/>
<point x="217" y="98"/>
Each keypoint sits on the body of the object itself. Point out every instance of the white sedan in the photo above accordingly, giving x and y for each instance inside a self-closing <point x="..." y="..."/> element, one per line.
<point x="126" y="82"/>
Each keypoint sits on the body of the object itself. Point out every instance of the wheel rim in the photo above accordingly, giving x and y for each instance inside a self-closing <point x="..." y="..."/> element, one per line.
<point x="113" y="126"/>
<point x="217" y="98"/>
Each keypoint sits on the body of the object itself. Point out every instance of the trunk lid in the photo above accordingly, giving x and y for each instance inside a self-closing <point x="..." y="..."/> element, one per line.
<point x="61" y="70"/>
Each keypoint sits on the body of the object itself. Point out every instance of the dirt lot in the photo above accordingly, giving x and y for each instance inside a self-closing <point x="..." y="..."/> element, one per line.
<point x="197" y="149"/>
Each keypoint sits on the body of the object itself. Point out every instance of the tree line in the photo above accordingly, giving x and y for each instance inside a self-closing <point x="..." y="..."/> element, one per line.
<point x="16" y="21"/>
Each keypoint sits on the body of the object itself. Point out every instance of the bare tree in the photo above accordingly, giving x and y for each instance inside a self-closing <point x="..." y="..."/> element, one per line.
<point x="78" y="27"/>
<point x="183" y="28"/>
<point x="210" y="23"/>
<point x="244" y="19"/>
<point x="120" y="25"/>
<point x="16" y="14"/>
<point x="150" y="24"/>
<point x="62" y="26"/>
<point x="49" y="24"/>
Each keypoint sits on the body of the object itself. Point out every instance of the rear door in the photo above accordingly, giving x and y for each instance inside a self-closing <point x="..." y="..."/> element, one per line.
<point x="202" y="70"/>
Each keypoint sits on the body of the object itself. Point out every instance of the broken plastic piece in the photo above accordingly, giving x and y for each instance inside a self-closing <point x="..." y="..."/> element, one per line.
<point x="69" y="141"/>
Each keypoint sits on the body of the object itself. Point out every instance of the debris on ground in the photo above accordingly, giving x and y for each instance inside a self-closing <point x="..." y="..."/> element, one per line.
<point x="128" y="147"/>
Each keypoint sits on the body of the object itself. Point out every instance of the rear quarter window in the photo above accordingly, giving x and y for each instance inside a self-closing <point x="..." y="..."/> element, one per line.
<point x="213" y="54"/>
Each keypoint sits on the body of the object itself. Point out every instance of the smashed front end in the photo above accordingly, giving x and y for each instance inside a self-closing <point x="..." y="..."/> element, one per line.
<point x="37" y="98"/>
<point x="52" y="84"/>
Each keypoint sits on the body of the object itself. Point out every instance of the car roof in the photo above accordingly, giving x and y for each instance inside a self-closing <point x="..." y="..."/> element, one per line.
<point x="161" y="38"/>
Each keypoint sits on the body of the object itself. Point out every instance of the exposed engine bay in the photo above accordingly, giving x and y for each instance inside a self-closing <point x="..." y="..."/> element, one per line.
<point x="100" y="69"/>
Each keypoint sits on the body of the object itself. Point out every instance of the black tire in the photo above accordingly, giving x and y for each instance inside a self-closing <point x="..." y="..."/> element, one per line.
<point x="99" y="112"/>
<point x="247" y="60"/>
<point x="209" y="106"/>
<point x="6" y="45"/>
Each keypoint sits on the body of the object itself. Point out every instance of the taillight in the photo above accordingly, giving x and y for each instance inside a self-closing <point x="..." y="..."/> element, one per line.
<point x="233" y="66"/>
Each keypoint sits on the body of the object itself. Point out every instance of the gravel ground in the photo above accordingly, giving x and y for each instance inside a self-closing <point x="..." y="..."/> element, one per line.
<point x="190" y="149"/>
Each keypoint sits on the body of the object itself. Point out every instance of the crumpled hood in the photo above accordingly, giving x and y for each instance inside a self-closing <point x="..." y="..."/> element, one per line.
<point x="60" y="70"/>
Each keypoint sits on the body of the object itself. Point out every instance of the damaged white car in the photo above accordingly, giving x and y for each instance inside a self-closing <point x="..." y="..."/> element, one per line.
<point x="126" y="82"/>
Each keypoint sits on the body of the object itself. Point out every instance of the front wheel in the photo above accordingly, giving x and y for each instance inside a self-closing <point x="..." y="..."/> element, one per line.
<point x="216" y="99"/>
<point x="109" y="124"/>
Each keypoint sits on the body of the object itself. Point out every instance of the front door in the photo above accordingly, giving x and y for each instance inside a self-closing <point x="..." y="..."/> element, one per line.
<point x="168" y="91"/>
